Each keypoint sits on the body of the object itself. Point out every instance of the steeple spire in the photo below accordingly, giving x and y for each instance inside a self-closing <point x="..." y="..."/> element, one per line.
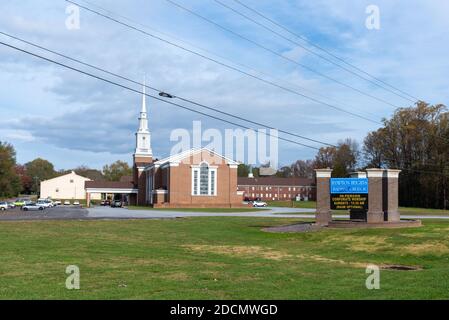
<point x="143" y="136"/>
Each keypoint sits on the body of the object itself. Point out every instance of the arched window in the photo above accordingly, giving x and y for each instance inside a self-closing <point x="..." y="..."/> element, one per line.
<point x="204" y="180"/>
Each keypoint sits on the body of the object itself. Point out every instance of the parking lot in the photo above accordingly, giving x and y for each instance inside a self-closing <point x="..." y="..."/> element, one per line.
<point x="59" y="213"/>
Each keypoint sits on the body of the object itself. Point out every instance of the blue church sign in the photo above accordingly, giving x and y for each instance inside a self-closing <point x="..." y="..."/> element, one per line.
<point x="349" y="185"/>
<point x="349" y="193"/>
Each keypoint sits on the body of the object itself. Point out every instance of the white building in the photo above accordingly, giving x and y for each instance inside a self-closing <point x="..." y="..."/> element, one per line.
<point x="69" y="186"/>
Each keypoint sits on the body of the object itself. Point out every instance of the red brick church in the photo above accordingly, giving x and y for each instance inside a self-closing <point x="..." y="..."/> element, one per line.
<point x="193" y="178"/>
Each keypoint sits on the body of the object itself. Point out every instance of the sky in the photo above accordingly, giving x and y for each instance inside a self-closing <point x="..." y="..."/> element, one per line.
<point x="71" y="119"/>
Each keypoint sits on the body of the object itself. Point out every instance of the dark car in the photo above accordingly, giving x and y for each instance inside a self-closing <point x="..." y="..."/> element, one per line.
<point x="105" y="203"/>
<point x="116" y="204"/>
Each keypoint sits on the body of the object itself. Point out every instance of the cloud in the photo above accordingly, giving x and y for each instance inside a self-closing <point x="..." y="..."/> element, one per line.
<point x="57" y="109"/>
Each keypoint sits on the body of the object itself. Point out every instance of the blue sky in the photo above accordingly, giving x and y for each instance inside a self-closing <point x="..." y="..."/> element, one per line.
<point x="72" y="120"/>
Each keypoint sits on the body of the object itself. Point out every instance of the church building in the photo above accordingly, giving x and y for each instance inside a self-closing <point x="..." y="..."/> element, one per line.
<point x="194" y="178"/>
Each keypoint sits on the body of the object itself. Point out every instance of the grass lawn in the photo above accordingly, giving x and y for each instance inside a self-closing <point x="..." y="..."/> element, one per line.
<point x="293" y="204"/>
<point x="423" y="211"/>
<point x="402" y="210"/>
<point x="205" y="210"/>
<point x="218" y="258"/>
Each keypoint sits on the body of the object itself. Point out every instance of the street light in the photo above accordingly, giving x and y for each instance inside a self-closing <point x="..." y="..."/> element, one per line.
<point x="166" y="95"/>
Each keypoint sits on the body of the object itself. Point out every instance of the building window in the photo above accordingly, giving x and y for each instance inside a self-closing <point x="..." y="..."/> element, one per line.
<point x="71" y="180"/>
<point x="204" y="181"/>
<point x="212" y="182"/>
<point x="195" y="182"/>
<point x="57" y="190"/>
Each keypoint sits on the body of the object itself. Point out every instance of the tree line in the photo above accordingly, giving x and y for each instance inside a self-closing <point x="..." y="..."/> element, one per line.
<point x="26" y="178"/>
<point x="414" y="140"/>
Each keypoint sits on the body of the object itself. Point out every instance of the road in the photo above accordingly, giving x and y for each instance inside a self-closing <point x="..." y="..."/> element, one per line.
<point x="76" y="213"/>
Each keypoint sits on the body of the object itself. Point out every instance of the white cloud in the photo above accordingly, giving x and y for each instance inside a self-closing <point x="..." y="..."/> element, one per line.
<point x="63" y="110"/>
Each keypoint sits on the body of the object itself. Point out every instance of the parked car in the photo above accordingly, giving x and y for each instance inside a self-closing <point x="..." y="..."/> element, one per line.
<point x="47" y="201"/>
<point x="257" y="204"/>
<point x="4" y="206"/>
<point x="33" y="206"/>
<point x="105" y="202"/>
<point x="19" y="202"/>
<point x="76" y="203"/>
<point x="44" y="204"/>
<point x="11" y="205"/>
<point x="67" y="203"/>
<point x="116" y="204"/>
<point x="57" y="202"/>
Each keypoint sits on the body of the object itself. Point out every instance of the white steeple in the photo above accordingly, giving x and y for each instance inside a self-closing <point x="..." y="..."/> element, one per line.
<point x="143" y="135"/>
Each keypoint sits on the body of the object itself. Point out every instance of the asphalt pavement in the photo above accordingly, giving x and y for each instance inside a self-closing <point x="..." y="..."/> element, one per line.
<point x="78" y="213"/>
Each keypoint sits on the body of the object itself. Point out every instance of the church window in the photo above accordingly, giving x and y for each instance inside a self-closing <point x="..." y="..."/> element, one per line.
<point x="195" y="182"/>
<point x="212" y="182"/>
<point x="204" y="180"/>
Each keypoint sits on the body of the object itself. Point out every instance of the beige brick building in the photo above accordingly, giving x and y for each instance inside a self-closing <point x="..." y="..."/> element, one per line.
<point x="68" y="187"/>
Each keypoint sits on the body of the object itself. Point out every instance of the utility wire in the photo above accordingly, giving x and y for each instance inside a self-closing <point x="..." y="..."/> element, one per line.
<point x="311" y="51"/>
<point x="148" y="95"/>
<point x="162" y="91"/>
<point x="224" y="64"/>
<point x="226" y="59"/>
<point x="168" y="102"/>
<point x="322" y="49"/>
<point x="280" y="55"/>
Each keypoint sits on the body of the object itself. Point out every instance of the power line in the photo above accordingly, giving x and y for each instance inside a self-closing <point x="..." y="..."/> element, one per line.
<point x="148" y="95"/>
<point x="161" y="91"/>
<point x="168" y="102"/>
<point x="323" y="49"/>
<point x="226" y="59"/>
<point x="311" y="51"/>
<point x="280" y="55"/>
<point x="225" y="65"/>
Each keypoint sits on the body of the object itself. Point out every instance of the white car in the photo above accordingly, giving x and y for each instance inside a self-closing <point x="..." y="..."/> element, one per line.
<point x="67" y="203"/>
<point x="48" y="201"/>
<point x="57" y="202"/>
<point x="76" y="203"/>
<point x="257" y="204"/>
<point x="45" y="204"/>
<point x="3" y="206"/>
<point x="32" y="207"/>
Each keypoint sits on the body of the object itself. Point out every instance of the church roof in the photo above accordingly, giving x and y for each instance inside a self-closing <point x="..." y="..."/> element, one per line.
<point x="109" y="184"/>
<point x="176" y="158"/>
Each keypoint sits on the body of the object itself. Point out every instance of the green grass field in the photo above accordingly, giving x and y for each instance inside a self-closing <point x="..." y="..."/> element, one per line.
<point x="293" y="204"/>
<point x="218" y="258"/>
<point x="403" y="210"/>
